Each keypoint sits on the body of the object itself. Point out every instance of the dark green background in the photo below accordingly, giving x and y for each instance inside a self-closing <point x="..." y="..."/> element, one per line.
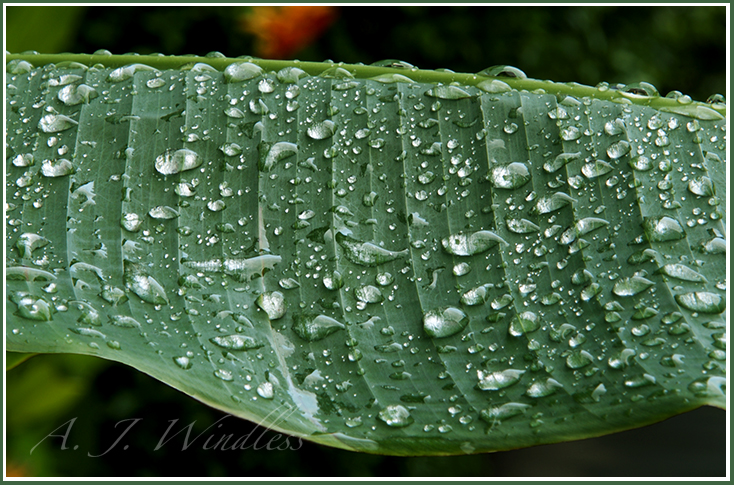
<point x="674" y="48"/>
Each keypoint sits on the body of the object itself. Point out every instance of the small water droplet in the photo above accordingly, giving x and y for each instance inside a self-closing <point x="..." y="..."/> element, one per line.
<point x="523" y="323"/>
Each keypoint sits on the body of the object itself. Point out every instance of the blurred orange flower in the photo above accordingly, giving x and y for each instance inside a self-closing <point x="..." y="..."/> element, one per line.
<point x="283" y="31"/>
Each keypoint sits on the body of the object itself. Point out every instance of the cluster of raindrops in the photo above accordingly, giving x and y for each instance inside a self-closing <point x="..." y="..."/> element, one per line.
<point x="374" y="254"/>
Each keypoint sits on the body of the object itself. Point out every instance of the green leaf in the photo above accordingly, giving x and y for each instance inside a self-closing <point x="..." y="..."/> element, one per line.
<point x="14" y="359"/>
<point x="396" y="265"/>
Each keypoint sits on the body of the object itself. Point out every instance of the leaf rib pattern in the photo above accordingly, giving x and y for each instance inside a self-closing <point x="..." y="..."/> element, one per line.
<point x="389" y="267"/>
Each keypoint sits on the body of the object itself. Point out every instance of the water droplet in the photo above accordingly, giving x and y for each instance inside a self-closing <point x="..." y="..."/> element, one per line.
<point x="461" y="269"/>
<point x="525" y="322"/>
<point x="476" y="296"/>
<point x="183" y="362"/>
<point x="57" y="168"/>
<point x="545" y="388"/>
<point x="312" y="327"/>
<point x="511" y="176"/>
<point x="702" y="186"/>
<point x="503" y="71"/>
<point x="265" y="390"/>
<point x="589" y="224"/>
<point x="548" y="204"/>
<point x="224" y="374"/>
<point x="271" y="154"/>
<point x="321" y="130"/>
<point x="131" y="222"/>
<point x="494" y="381"/>
<point x="384" y="279"/>
<point x="28" y="242"/>
<point x="145" y="286"/>
<point x="163" y="212"/>
<point x="273" y="303"/>
<point x="126" y="72"/>
<point x="560" y="161"/>
<point x="31" y="307"/>
<point x="621" y="359"/>
<point x="365" y="253"/>
<point x="641" y="164"/>
<point x="661" y="229"/>
<point x="444" y="322"/>
<point x="242" y="71"/>
<point x="368" y="294"/>
<point x="177" y="161"/>
<point x="631" y="286"/>
<point x="123" y="321"/>
<point x="74" y="94"/>
<point x="471" y="244"/>
<point x="236" y="342"/>
<point x="54" y="123"/>
<point x="597" y="168"/>
<point x="618" y="149"/>
<point x="702" y="302"/>
<point x="570" y="133"/>
<point x="578" y="359"/>
<point x="682" y="272"/>
<point x="447" y="92"/>
<point x="395" y="416"/>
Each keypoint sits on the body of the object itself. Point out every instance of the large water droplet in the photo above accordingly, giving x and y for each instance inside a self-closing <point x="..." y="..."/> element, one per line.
<point x="172" y="162"/>
<point x="54" y="123"/>
<point x="522" y="323"/>
<point x="560" y="161"/>
<point x="271" y="154"/>
<point x="448" y="92"/>
<point x="631" y="286"/>
<point x="597" y="168"/>
<point x="547" y="204"/>
<point x="321" y="130"/>
<point x="163" y="212"/>
<point x="511" y="176"/>
<point x="545" y="388"/>
<point x="661" y="229"/>
<point x="365" y="253"/>
<point x="395" y="416"/>
<point x="494" y="381"/>
<point x="145" y="286"/>
<point x="311" y="327"/>
<point x="682" y="272"/>
<point x="471" y="244"/>
<point x="702" y="302"/>
<point x="476" y="296"/>
<point x="236" y="342"/>
<point x="368" y="294"/>
<point x="589" y="224"/>
<point x="57" y="168"/>
<point x="241" y="71"/>
<point x="506" y="411"/>
<point x="618" y="149"/>
<point x="444" y="322"/>
<point x="28" y="242"/>
<point x="521" y="226"/>
<point x="273" y="303"/>
<point x="73" y="94"/>
<point x="702" y="186"/>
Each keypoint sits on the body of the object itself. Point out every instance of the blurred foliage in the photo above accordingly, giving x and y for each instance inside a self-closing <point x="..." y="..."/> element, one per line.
<point x="674" y="48"/>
